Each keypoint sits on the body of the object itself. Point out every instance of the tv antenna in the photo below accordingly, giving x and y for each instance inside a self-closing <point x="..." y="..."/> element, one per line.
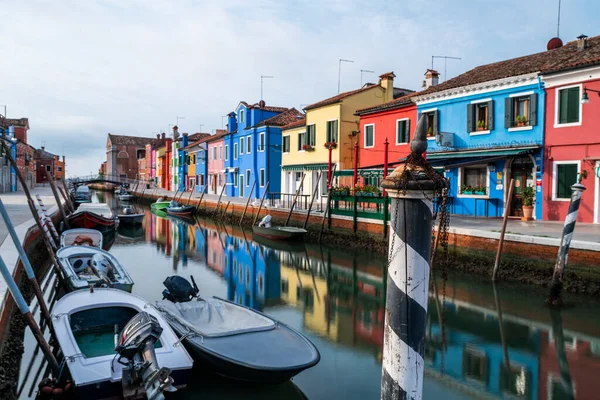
<point x="445" y="62"/>
<point x="361" y="74"/>
<point x="263" y="77"/>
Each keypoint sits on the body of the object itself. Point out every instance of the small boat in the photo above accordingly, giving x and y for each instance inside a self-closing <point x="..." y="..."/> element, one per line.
<point x="279" y="232"/>
<point x="232" y="340"/>
<point x="81" y="237"/>
<point x="181" y="210"/>
<point x="85" y="266"/>
<point x="129" y="217"/>
<point x="160" y="205"/>
<point x="93" y="216"/>
<point x="85" y="322"/>
<point x="82" y="195"/>
<point x="125" y="196"/>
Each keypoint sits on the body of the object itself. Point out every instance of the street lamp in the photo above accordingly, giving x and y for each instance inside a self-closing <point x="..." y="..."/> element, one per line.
<point x="584" y="98"/>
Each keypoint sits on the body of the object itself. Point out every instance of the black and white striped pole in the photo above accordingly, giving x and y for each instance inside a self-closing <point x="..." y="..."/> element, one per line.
<point x="565" y="242"/>
<point x="412" y="192"/>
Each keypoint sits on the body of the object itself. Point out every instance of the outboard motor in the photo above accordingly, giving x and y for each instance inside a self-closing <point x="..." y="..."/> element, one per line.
<point x="179" y="290"/>
<point x="142" y="374"/>
<point x="103" y="270"/>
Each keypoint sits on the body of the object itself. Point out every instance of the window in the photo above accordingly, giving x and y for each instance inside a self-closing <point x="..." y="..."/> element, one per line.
<point x="431" y="122"/>
<point x="569" y="103"/>
<point x="521" y="111"/>
<point x="214" y="153"/>
<point x="473" y="180"/>
<point x="286" y="144"/>
<point x="301" y="140"/>
<point x="226" y="152"/>
<point x="201" y="180"/>
<point x="480" y="116"/>
<point x="402" y="131"/>
<point x="235" y="151"/>
<point x="249" y="144"/>
<point x="311" y="135"/>
<point x="48" y="168"/>
<point x="59" y="169"/>
<point x="247" y="177"/>
<point x="220" y="179"/>
<point x="369" y="135"/>
<point x="242" y="145"/>
<point x="220" y="152"/>
<point x="261" y="179"/>
<point x="261" y="141"/>
<point x="565" y="175"/>
<point x="332" y="131"/>
<point x="235" y="179"/>
<point x="475" y="364"/>
<point x="241" y="116"/>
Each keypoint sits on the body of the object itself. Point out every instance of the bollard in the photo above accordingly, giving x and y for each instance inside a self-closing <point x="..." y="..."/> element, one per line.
<point x="412" y="188"/>
<point x="565" y="242"/>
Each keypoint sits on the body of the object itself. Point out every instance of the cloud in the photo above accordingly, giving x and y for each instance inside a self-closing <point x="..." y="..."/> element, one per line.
<point x="81" y="69"/>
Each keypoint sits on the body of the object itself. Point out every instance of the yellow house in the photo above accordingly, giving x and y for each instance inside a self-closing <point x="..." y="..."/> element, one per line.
<point x="328" y="121"/>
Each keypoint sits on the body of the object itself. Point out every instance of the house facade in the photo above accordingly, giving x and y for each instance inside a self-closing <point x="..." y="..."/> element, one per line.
<point x="48" y="162"/>
<point x="215" y="170"/>
<point x="252" y="148"/>
<point x="123" y="153"/>
<point x="572" y="143"/>
<point x="196" y="164"/>
<point x="328" y="122"/>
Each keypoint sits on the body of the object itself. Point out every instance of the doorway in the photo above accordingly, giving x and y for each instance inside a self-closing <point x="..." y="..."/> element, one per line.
<point x="522" y="172"/>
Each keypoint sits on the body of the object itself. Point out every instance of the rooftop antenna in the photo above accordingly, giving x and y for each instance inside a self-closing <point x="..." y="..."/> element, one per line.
<point x="177" y="120"/>
<point x="361" y="74"/>
<point x="201" y="125"/>
<point x="558" y="23"/>
<point x="445" y="62"/>
<point x="4" y="105"/>
<point x="340" y="61"/>
<point x="263" y="77"/>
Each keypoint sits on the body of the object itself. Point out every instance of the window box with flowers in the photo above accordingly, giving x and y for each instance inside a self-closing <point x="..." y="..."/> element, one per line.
<point x="330" y="145"/>
<point x="308" y="147"/>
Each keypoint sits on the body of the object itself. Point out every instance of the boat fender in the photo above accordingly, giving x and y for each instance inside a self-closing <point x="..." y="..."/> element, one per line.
<point x="49" y="389"/>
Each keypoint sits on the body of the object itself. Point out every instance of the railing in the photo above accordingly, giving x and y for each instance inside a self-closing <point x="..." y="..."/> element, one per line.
<point x="374" y="206"/>
<point x="285" y="200"/>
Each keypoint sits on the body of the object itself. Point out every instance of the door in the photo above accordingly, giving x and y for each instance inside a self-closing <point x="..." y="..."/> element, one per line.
<point x="241" y="185"/>
<point x="521" y="172"/>
<point x="213" y="183"/>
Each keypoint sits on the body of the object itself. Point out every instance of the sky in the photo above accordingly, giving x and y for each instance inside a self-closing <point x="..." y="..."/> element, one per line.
<point x="79" y="69"/>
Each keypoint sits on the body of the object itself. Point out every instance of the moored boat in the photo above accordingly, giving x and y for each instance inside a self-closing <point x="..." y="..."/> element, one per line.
<point x="279" y="232"/>
<point x="84" y="324"/>
<point x="82" y="195"/>
<point x="125" y="196"/>
<point x="85" y="266"/>
<point x="181" y="210"/>
<point x="235" y="341"/>
<point x="160" y="205"/>
<point x="81" y="237"/>
<point x="93" y="216"/>
<point x="128" y="217"/>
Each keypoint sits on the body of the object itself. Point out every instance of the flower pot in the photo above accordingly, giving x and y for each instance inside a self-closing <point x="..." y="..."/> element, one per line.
<point x="481" y="128"/>
<point x="527" y="213"/>
<point x="467" y="192"/>
<point x="480" y="193"/>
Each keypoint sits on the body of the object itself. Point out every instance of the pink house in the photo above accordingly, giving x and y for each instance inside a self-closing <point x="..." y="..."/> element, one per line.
<point x="215" y="165"/>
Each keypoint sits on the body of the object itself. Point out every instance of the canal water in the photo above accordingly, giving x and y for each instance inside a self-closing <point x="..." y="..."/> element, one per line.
<point x="336" y="297"/>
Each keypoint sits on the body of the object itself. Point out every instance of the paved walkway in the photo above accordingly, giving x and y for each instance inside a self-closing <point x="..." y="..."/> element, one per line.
<point x="18" y="209"/>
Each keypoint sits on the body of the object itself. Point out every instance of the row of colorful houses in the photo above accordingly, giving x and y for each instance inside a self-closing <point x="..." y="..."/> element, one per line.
<point x="532" y="119"/>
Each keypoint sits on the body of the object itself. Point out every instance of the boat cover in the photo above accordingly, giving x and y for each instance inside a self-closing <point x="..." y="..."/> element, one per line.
<point x="101" y="209"/>
<point x="212" y="317"/>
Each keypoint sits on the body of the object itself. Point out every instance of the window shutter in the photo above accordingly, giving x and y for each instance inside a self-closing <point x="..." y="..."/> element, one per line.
<point x="533" y="110"/>
<point x="407" y="130"/>
<point x="470" y="115"/>
<point x="335" y="131"/>
<point x="508" y="118"/>
<point x="490" y="105"/>
<point x="436" y="125"/>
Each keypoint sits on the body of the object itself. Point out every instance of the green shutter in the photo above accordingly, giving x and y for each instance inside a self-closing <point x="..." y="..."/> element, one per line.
<point x="335" y="131"/>
<point x="436" y="125"/>
<point x="563" y="101"/>
<point x="470" y="117"/>
<point x="508" y="112"/>
<point x="533" y="106"/>
<point x="490" y="105"/>
<point x="567" y="176"/>
<point x="573" y="103"/>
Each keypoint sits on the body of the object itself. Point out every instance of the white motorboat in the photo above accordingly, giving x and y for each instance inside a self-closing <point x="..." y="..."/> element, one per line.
<point x="81" y="237"/>
<point x="85" y="323"/>
<point x="85" y="266"/>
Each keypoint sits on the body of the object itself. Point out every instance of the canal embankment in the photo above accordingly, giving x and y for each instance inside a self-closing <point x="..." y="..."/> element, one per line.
<point x="529" y="250"/>
<point x="12" y="324"/>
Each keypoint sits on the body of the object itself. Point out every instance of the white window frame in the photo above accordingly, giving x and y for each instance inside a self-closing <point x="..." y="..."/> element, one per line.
<point x="428" y="111"/>
<point x="338" y="126"/>
<point x="487" y="131"/>
<point x="242" y="145"/>
<point x="220" y="152"/>
<point x="397" y="143"/>
<point x="236" y="178"/>
<point x="248" y="144"/>
<point x="555" y="165"/>
<point x="365" y="136"/>
<point x="247" y="178"/>
<point x="235" y="151"/>
<point x="261" y="177"/>
<point x="473" y="196"/>
<point x="241" y="116"/>
<point x="261" y="138"/>
<point x="290" y="142"/>
<point x="557" y="90"/>
<point x="301" y="150"/>
<point x="226" y="152"/>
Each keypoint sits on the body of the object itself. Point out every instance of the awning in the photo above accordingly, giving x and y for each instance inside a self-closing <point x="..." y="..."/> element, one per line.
<point x="371" y="172"/>
<point x="305" y="167"/>
<point x="444" y="155"/>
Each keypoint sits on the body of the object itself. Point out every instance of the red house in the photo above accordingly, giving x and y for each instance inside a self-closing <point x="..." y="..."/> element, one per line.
<point x="572" y="142"/>
<point x="392" y="121"/>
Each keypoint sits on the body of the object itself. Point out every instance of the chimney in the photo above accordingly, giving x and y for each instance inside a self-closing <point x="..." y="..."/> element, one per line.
<point x="386" y="81"/>
<point x="431" y="78"/>
<point x="582" y="42"/>
<point x="43" y="148"/>
<point x="158" y="135"/>
<point x="184" y="140"/>
<point x="175" y="133"/>
<point x="64" y="160"/>
<point x="163" y="135"/>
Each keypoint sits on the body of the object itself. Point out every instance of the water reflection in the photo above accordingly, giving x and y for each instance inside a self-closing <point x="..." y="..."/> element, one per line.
<point x="499" y="342"/>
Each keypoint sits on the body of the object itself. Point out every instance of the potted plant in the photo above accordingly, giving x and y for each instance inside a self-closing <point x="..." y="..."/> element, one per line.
<point x="358" y="191"/>
<point x="430" y="131"/>
<point x="480" y="190"/>
<point x="331" y="145"/>
<point x="527" y="196"/>
<point x="481" y="125"/>
<point x="307" y="147"/>
<point x="521" y="120"/>
<point x="466" y="189"/>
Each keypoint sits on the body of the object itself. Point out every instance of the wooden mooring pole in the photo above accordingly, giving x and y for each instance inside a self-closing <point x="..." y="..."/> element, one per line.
<point x="63" y="214"/>
<point x="247" y="203"/>
<point x="503" y="231"/>
<point x="287" y="221"/>
<point x="219" y="201"/>
<point x="201" y="197"/>
<point x="312" y="200"/>
<point x="262" y="199"/>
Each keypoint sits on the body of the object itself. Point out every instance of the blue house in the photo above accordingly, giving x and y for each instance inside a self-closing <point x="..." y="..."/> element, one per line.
<point x="485" y="127"/>
<point x="253" y="148"/>
<point x="182" y="163"/>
